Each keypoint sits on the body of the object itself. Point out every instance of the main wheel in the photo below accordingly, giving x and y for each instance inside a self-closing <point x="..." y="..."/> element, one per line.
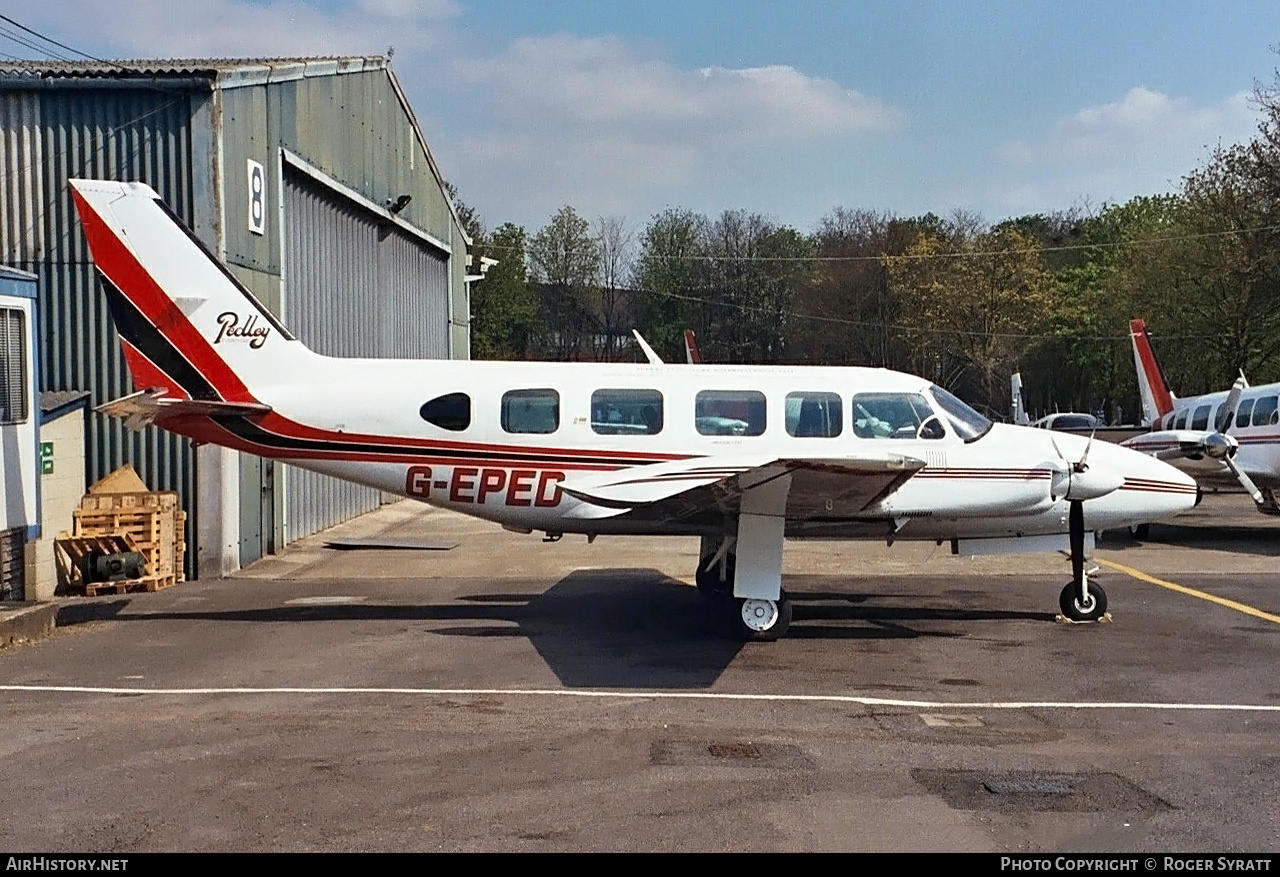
<point x="709" y="583"/>
<point x="763" y="621"/>
<point x="1093" y="607"/>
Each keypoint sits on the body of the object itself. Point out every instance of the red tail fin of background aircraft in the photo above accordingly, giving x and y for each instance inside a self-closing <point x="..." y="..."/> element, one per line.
<point x="1157" y="399"/>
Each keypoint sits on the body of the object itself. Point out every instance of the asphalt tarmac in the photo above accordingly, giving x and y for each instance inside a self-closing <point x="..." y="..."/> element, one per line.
<point x="507" y="694"/>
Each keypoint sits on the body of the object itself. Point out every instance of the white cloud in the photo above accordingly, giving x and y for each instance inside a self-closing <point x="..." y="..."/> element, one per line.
<point x="1142" y="143"/>
<point x="603" y="85"/>
<point x="594" y="123"/>
<point x="239" y="29"/>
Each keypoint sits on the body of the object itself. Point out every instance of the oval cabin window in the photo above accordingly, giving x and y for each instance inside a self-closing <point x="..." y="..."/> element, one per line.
<point x="451" y="411"/>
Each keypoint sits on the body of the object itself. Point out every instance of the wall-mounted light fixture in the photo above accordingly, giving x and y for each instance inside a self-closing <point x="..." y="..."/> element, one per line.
<point x="398" y="204"/>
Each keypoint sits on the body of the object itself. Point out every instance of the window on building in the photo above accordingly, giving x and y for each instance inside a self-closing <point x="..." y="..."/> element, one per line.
<point x="729" y="412"/>
<point x="451" y="411"/>
<point x="13" y="366"/>
<point x="626" y="412"/>
<point x="895" y="415"/>
<point x="531" y="411"/>
<point x="814" y="415"/>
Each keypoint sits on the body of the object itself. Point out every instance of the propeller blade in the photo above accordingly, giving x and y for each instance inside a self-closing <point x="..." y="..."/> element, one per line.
<point x="1084" y="460"/>
<point x="1232" y="406"/>
<point x="1245" y="481"/>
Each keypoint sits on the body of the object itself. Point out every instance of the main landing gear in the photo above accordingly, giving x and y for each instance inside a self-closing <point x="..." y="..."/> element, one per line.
<point x="753" y="619"/>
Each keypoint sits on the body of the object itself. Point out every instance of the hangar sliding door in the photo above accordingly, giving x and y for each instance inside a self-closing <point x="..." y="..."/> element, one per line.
<point x="354" y="285"/>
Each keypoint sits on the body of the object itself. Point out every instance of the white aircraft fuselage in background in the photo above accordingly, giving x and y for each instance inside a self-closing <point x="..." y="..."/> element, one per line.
<point x="742" y="456"/>
<point x="1214" y="437"/>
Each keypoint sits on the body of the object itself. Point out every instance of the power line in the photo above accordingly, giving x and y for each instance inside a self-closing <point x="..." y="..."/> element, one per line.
<point x="51" y="41"/>
<point x="960" y="254"/>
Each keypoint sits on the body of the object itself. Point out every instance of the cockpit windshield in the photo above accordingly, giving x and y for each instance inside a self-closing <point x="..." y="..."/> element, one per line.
<point x="968" y="424"/>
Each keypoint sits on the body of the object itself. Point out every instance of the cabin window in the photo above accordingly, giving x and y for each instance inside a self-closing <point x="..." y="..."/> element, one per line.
<point x="531" y="411"/>
<point x="626" y="412"/>
<point x="1222" y="417"/>
<point x="451" y="411"/>
<point x="1181" y="422"/>
<point x="895" y="415"/>
<point x="729" y="412"/>
<point x="1246" y="411"/>
<point x="814" y="415"/>
<point x="1201" y="418"/>
<point x="13" y="366"/>
<point x="1264" y="411"/>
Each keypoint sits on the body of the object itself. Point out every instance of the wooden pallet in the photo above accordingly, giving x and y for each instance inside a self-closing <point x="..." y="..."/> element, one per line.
<point x="153" y="520"/>
<point x="71" y="553"/>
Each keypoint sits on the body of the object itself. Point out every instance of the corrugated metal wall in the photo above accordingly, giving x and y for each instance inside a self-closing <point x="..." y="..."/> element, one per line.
<point x="46" y="137"/>
<point x="353" y="287"/>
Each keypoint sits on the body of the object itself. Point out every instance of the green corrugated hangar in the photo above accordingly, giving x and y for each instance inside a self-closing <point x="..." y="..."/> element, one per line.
<point x="309" y="177"/>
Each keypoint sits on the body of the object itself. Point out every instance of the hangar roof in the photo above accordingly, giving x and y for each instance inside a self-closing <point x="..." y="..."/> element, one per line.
<point x="227" y="72"/>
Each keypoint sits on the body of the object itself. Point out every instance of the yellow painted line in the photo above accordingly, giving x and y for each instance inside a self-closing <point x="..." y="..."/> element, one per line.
<point x="1190" y="592"/>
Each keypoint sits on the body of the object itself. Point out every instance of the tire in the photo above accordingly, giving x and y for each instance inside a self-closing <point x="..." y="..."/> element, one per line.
<point x="1074" y="611"/>
<point x="777" y="626"/>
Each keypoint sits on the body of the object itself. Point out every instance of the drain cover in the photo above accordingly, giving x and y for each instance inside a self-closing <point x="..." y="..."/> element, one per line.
<point x="1027" y="787"/>
<point x="734" y="750"/>
<point x="1030" y="791"/>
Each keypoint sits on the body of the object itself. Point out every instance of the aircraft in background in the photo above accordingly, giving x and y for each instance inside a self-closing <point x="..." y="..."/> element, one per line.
<point x="1057" y="420"/>
<point x="1222" y="439"/>
<point x="592" y="449"/>
<point x="691" y="353"/>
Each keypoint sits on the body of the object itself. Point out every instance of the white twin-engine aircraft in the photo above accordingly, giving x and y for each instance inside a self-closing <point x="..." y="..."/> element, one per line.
<point x="1221" y="439"/>
<point x="741" y="456"/>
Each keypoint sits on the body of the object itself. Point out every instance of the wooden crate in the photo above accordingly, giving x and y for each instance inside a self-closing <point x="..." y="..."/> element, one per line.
<point x="71" y="552"/>
<point x="151" y="530"/>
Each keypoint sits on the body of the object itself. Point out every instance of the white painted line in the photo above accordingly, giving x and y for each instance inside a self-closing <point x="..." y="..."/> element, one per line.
<point x="667" y="695"/>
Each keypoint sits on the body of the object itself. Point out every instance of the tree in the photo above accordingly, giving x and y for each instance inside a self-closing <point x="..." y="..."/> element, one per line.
<point x="565" y="258"/>
<point x="616" y="243"/>
<point x="666" y="276"/>
<point x="504" y="311"/>
<point x="973" y="301"/>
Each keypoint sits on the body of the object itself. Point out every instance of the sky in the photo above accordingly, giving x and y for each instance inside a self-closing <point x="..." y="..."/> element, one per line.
<point x="789" y="109"/>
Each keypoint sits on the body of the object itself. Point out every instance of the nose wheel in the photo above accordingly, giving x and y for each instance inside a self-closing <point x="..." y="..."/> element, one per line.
<point x="1089" y="607"/>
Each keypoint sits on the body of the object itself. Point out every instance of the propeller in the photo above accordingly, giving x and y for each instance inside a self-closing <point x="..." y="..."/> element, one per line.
<point x="1220" y="444"/>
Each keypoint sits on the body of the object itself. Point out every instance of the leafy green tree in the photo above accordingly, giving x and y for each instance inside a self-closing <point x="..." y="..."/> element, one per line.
<point x="565" y="259"/>
<point x="505" y="323"/>
<point x="667" y="275"/>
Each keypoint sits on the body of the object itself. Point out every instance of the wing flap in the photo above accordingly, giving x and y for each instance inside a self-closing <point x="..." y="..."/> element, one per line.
<point x="820" y="486"/>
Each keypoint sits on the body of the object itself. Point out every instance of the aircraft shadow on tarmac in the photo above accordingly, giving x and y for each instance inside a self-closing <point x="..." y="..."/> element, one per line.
<point x="1262" y="539"/>
<point x="622" y="628"/>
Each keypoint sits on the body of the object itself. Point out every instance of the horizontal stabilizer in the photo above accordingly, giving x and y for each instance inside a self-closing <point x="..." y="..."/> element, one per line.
<point x="142" y="408"/>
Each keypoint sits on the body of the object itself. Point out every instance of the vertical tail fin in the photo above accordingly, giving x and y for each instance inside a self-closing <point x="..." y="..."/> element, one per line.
<point x="186" y="323"/>
<point x="1157" y="399"/>
<point x="1019" y="408"/>
<point x="691" y="353"/>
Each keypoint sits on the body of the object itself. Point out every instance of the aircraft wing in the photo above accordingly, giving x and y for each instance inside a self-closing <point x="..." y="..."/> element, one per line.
<point x="142" y="408"/>
<point x="819" y="486"/>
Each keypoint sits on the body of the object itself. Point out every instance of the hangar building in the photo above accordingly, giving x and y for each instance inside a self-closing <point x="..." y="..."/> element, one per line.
<point x="309" y="176"/>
